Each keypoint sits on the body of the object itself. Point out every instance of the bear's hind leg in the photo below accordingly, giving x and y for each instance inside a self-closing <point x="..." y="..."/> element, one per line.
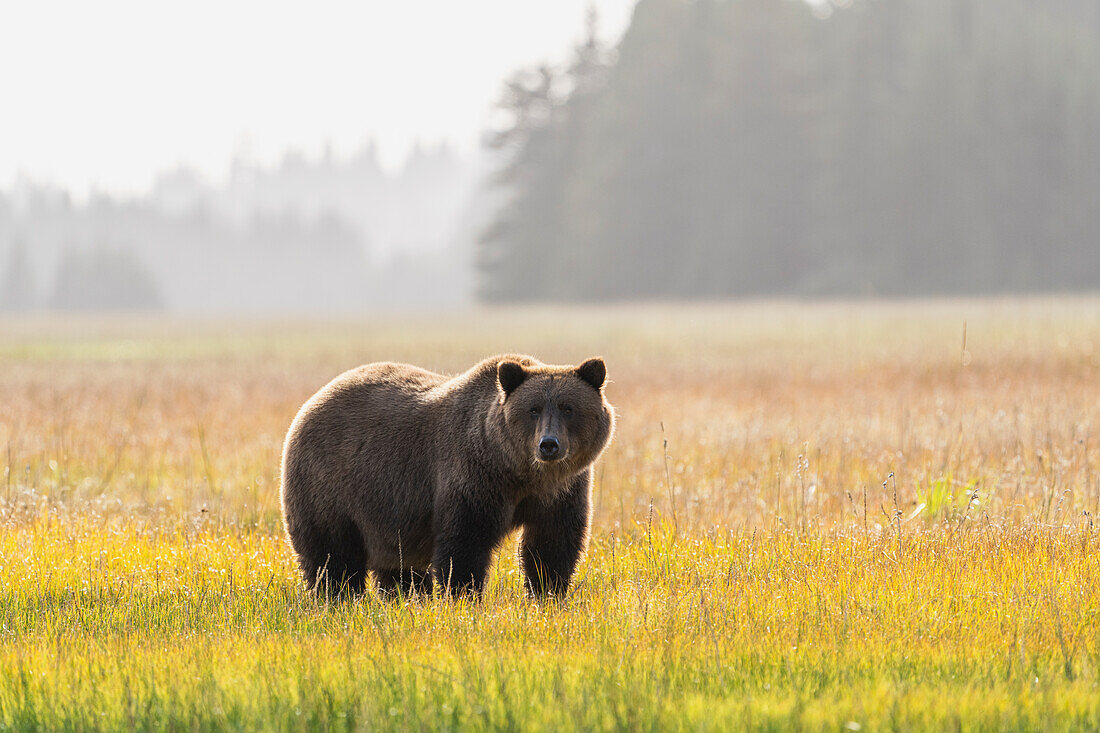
<point x="337" y="563"/>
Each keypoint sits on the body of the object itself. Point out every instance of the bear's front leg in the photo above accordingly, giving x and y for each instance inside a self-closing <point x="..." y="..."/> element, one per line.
<point x="467" y="532"/>
<point x="554" y="536"/>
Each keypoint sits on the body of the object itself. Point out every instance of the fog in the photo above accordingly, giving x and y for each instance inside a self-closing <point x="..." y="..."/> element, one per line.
<point x="710" y="149"/>
<point x="305" y="236"/>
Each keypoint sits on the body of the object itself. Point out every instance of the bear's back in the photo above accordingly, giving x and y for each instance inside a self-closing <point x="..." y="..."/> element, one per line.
<point x="384" y="398"/>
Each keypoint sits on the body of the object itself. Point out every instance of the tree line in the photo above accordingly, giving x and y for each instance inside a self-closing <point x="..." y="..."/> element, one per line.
<point x="730" y="148"/>
<point x="324" y="235"/>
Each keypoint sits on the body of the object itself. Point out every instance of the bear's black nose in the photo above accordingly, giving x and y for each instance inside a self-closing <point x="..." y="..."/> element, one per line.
<point x="548" y="448"/>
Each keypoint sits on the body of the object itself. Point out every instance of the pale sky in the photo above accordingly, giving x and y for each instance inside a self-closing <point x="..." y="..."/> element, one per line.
<point x="107" y="94"/>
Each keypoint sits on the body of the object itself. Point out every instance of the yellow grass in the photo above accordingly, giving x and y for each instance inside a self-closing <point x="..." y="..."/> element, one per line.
<point x="812" y="516"/>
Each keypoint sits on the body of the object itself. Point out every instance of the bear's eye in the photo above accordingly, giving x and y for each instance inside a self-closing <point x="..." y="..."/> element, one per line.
<point x="535" y="411"/>
<point x="567" y="410"/>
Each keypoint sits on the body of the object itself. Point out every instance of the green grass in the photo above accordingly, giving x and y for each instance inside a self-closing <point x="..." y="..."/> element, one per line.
<point x="749" y="569"/>
<point x="119" y="627"/>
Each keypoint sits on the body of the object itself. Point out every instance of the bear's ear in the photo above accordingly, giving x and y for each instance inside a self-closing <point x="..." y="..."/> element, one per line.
<point x="510" y="374"/>
<point x="593" y="371"/>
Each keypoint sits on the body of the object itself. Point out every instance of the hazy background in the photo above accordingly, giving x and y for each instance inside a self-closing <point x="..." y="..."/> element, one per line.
<point x="253" y="158"/>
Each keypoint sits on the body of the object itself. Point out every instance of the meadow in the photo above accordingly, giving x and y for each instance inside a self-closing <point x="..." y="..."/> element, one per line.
<point x="840" y="516"/>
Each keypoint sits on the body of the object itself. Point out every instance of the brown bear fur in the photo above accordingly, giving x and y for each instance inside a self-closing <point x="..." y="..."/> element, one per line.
<point x="414" y="477"/>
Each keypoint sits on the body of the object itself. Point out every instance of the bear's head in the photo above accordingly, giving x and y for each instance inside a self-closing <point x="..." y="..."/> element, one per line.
<point x="555" y="419"/>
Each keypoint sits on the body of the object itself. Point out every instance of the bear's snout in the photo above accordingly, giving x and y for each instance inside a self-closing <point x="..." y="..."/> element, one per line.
<point x="549" y="448"/>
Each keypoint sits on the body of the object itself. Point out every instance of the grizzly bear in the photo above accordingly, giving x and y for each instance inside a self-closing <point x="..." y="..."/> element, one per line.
<point x="417" y="478"/>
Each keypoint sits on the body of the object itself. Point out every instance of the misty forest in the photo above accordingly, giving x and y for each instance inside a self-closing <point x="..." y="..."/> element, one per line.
<point x="722" y="149"/>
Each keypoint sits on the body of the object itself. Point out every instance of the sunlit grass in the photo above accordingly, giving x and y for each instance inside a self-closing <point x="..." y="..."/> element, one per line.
<point x="810" y="518"/>
<point x="993" y="626"/>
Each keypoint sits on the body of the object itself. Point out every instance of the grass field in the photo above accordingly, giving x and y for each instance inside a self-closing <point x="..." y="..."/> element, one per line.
<point x="814" y="517"/>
